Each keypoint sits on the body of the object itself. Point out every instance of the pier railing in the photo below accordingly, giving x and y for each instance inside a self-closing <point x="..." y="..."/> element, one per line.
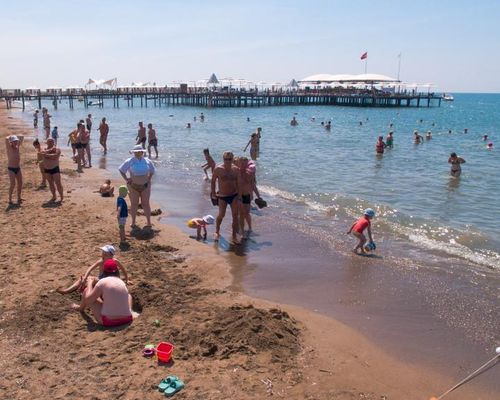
<point x="220" y="97"/>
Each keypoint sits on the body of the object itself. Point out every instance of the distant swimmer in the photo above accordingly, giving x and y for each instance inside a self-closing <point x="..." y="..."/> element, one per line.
<point x="313" y="119"/>
<point x="389" y="140"/>
<point x="294" y="122"/>
<point x="485" y="138"/>
<point x="202" y="117"/>
<point x="360" y="123"/>
<point x="466" y="130"/>
<point x="152" y="140"/>
<point x="380" y="145"/>
<point x="489" y="145"/>
<point x="328" y="125"/>
<point x="455" y="162"/>
<point x="421" y="120"/>
<point x="210" y="163"/>
<point x="449" y="131"/>
<point x="390" y="125"/>
<point x="248" y="119"/>
<point x="141" y="135"/>
<point x="428" y="136"/>
<point x="194" y="118"/>
<point x="188" y="125"/>
<point x="417" y="139"/>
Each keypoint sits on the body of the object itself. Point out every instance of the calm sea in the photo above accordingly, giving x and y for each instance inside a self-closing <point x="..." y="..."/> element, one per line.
<point x="324" y="179"/>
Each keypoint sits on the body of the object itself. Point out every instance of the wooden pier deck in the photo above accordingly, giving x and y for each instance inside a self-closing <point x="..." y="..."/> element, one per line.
<point x="209" y="98"/>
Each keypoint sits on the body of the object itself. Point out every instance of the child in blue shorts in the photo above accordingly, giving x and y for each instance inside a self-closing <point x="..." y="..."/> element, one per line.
<point x="122" y="211"/>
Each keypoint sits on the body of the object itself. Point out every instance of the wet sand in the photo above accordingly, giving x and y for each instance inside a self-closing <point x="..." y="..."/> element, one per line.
<point x="228" y="345"/>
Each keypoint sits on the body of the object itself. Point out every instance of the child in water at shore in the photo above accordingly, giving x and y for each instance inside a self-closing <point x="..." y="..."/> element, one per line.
<point x="210" y="164"/>
<point x="358" y="228"/>
<point x="199" y="224"/>
<point x="108" y="266"/>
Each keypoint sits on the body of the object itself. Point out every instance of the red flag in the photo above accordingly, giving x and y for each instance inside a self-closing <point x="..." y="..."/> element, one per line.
<point x="364" y="55"/>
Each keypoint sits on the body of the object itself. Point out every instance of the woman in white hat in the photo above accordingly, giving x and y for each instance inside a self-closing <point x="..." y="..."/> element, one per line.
<point x="141" y="171"/>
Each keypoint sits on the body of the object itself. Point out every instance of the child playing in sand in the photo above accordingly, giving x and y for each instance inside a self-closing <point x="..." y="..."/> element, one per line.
<point x="106" y="189"/>
<point x="209" y="164"/>
<point x="359" y="226"/>
<point x="108" y="266"/>
<point x="201" y="223"/>
<point x="122" y="211"/>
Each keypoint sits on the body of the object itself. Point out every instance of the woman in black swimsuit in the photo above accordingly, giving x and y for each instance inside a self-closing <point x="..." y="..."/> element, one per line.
<point x="455" y="162"/>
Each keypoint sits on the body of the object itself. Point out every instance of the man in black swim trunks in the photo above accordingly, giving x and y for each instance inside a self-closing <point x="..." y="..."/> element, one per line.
<point x="152" y="140"/>
<point x="228" y="177"/>
<point x="12" y="144"/>
<point x="51" y="168"/>
<point x="141" y="135"/>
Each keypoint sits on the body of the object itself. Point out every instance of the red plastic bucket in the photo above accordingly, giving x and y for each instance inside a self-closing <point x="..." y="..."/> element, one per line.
<point x="164" y="351"/>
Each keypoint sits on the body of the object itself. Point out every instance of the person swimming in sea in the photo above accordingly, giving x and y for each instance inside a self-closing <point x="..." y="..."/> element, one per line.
<point x="428" y="136"/>
<point x="417" y="139"/>
<point x="455" y="162"/>
<point x="389" y="140"/>
<point x="380" y="145"/>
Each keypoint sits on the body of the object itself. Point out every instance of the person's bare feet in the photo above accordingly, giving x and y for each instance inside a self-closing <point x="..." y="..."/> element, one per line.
<point x="216" y="237"/>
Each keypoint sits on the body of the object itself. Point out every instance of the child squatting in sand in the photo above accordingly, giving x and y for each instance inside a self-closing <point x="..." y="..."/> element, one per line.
<point x="199" y="224"/>
<point x="358" y="228"/>
<point x="108" y="266"/>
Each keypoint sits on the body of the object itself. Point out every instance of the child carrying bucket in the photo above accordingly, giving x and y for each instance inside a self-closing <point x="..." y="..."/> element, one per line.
<point x="358" y="228"/>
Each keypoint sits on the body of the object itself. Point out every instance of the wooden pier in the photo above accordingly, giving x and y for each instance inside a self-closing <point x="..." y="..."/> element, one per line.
<point x="163" y="97"/>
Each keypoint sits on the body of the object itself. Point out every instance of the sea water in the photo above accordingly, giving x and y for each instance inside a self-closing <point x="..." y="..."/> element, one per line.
<point x="318" y="178"/>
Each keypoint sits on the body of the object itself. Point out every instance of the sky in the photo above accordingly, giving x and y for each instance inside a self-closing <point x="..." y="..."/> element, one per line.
<point x="452" y="44"/>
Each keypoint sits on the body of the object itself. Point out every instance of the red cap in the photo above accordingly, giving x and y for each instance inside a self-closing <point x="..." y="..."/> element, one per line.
<point x="110" y="265"/>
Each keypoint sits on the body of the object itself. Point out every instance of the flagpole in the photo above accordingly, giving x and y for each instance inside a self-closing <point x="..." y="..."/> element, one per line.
<point x="399" y="64"/>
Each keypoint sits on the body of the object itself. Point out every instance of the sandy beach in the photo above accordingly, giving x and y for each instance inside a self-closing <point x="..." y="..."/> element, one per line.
<point x="227" y="344"/>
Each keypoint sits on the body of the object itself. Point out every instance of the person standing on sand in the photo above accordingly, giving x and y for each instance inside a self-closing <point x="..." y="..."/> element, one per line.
<point x="39" y="161"/>
<point x="103" y="134"/>
<point x="80" y="150"/>
<point x="141" y="135"/>
<point x="46" y="122"/>
<point x="455" y="161"/>
<point x="51" y="168"/>
<point x="12" y="144"/>
<point x="141" y="171"/>
<point x="152" y="140"/>
<point x="227" y="176"/>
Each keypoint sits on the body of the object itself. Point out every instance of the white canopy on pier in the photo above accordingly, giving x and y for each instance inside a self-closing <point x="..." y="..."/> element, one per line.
<point x="362" y="78"/>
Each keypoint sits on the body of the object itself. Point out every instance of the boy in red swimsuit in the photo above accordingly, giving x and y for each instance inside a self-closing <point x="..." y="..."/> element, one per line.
<point x="359" y="226"/>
